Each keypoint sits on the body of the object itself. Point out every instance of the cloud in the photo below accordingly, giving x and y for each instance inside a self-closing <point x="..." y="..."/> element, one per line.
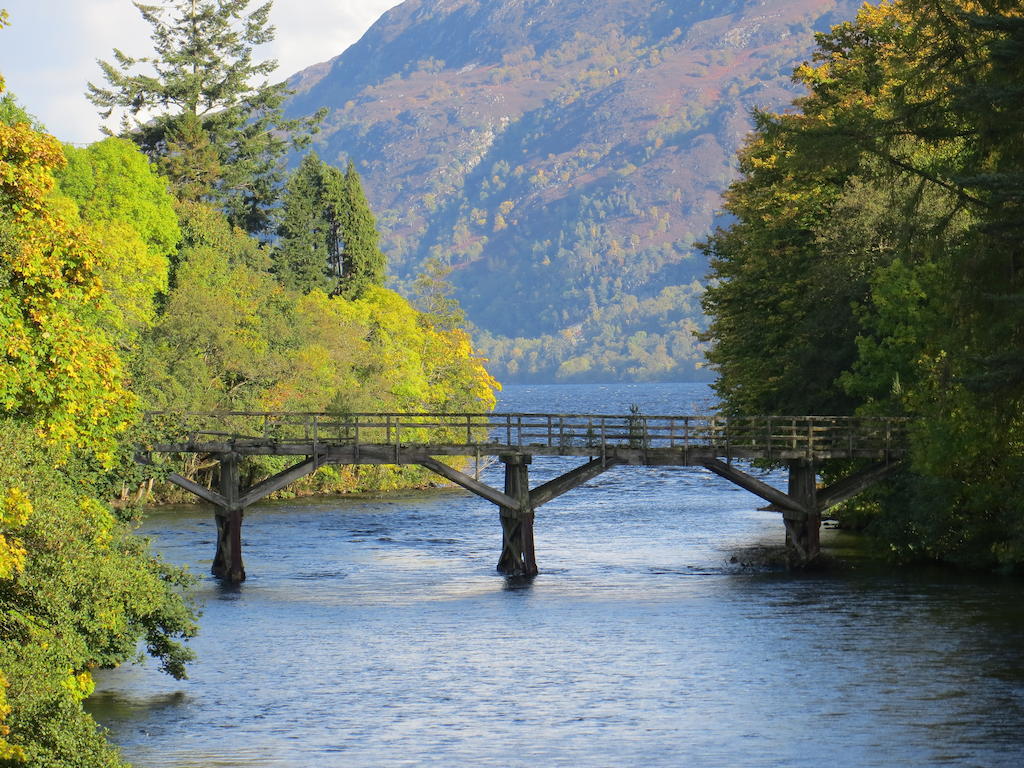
<point x="49" y="52"/>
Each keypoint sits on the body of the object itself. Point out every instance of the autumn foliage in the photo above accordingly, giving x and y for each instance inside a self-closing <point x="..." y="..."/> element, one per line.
<point x="61" y="369"/>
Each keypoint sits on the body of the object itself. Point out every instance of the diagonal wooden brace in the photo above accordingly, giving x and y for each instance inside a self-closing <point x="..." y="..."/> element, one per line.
<point x="201" y="491"/>
<point x="848" y="487"/>
<point x="482" y="490"/>
<point x="574" y="478"/>
<point x="277" y="482"/>
<point x="184" y="483"/>
<point x="792" y="508"/>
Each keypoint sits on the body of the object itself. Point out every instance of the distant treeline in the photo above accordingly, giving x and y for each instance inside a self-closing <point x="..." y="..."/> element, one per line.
<point x="629" y="339"/>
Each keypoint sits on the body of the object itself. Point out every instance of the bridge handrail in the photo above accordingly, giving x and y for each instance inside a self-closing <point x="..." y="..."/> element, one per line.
<point x="710" y="416"/>
<point x="764" y="436"/>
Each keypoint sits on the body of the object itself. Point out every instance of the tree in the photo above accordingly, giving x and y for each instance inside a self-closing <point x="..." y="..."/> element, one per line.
<point x="308" y="253"/>
<point x="917" y="247"/>
<point x="85" y="594"/>
<point x="328" y="235"/>
<point x="433" y="296"/>
<point x="194" y="108"/>
<point x="779" y="343"/>
<point x="112" y="181"/>
<point x="219" y="340"/>
<point x="363" y="263"/>
<point x="192" y="160"/>
<point x="60" y="367"/>
<point x="78" y="591"/>
<point x="131" y="214"/>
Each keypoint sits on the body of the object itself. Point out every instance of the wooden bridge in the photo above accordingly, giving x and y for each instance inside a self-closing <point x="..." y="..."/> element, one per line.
<point x="712" y="442"/>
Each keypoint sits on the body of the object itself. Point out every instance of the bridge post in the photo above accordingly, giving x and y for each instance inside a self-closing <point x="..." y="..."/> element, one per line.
<point x="803" y="532"/>
<point x="517" y="552"/>
<point x="227" y="562"/>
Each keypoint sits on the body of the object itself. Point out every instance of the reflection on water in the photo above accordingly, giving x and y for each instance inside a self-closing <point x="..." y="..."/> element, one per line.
<point x="375" y="632"/>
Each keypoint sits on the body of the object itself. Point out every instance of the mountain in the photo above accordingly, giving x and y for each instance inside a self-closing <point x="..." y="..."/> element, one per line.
<point x="561" y="157"/>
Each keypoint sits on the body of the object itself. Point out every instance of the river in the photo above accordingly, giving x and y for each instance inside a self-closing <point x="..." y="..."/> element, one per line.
<point x="376" y="632"/>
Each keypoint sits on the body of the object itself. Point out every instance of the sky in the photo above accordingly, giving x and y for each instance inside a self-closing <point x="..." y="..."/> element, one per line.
<point x="48" y="54"/>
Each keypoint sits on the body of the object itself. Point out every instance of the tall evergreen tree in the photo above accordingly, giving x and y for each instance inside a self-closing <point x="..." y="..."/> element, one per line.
<point x="310" y="229"/>
<point x="191" y="160"/>
<point x="328" y="235"/>
<point x="197" y="109"/>
<point x="363" y="262"/>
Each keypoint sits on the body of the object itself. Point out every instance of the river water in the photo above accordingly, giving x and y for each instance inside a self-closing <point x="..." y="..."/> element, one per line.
<point x="376" y="632"/>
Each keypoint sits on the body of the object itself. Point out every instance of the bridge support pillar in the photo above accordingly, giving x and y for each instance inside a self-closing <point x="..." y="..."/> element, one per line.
<point x="803" y="532"/>
<point x="227" y="562"/>
<point x="517" y="552"/>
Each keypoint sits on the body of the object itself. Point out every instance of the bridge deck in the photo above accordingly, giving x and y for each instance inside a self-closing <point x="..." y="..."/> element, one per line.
<point x="374" y="438"/>
<point x="394" y="438"/>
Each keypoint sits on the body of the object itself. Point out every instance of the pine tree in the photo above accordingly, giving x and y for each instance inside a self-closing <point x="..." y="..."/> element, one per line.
<point x="194" y="108"/>
<point x="328" y="235"/>
<point x="363" y="263"/>
<point x="309" y="233"/>
<point x="191" y="161"/>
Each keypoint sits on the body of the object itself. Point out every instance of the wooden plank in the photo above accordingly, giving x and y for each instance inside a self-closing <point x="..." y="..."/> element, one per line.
<point x="277" y="482"/>
<point x="848" y="487"/>
<point x="574" y="478"/>
<point x="755" y="486"/>
<point x="482" y="490"/>
<point x="203" y="493"/>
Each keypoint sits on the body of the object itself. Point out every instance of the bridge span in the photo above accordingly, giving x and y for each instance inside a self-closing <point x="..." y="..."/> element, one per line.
<point x="449" y="443"/>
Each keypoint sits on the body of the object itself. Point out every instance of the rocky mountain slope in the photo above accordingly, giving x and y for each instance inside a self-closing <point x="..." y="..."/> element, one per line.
<point x="562" y="157"/>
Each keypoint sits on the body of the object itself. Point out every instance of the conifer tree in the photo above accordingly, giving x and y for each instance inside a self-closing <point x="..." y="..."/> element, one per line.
<point x="328" y="235"/>
<point x="309" y="232"/>
<point x="363" y="263"/>
<point x="196" y="107"/>
<point x="191" y="160"/>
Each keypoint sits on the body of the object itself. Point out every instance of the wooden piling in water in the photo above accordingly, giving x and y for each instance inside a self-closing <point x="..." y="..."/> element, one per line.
<point x="227" y="562"/>
<point x="518" y="557"/>
<point x="803" y="531"/>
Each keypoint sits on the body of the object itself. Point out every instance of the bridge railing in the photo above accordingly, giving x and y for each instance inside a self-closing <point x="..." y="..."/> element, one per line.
<point x="770" y="437"/>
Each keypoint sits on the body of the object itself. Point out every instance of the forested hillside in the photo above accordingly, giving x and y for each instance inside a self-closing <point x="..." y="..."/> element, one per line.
<point x="561" y="158"/>
<point x="876" y="264"/>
